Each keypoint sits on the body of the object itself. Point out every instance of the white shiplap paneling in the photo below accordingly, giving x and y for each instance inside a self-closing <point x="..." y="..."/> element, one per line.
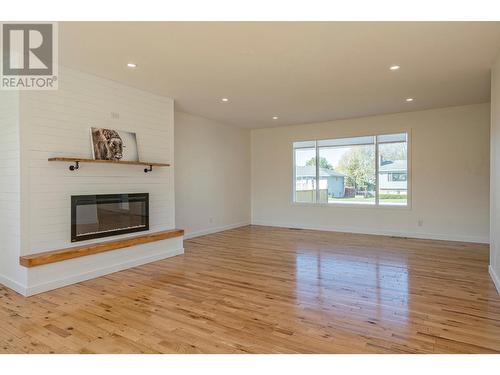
<point x="11" y="274"/>
<point x="57" y="123"/>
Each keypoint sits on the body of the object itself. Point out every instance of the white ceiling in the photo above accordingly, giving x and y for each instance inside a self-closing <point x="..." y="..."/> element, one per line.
<point x="300" y="71"/>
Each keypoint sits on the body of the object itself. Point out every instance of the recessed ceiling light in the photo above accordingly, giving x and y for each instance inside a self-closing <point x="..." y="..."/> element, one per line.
<point x="132" y="65"/>
<point x="394" y="67"/>
<point x="275" y="117"/>
<point x="225" y="99"/>
<point x="409" y="99"/>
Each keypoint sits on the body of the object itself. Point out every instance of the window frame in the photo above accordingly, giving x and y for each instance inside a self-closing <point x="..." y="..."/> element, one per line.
<point x="377" y="204"/>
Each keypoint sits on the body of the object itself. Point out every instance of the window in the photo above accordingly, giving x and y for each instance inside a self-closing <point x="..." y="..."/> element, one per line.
<point x="392" y="169"/>
<point x="305" y="171"/>
<point x="397" y="176"/>
<point x="352" y="161"/>
<point x="370" y="170"/>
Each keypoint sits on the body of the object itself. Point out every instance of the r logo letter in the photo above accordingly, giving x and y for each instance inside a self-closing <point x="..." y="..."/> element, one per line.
<point x="27" y="49"/>
<point x="35" y="42"/>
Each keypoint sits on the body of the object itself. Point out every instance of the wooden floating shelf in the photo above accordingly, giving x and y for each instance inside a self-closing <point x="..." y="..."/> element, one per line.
<point x="82" y="160"/>
<point x="95" y="248"/>
<point x="77" y="162"/>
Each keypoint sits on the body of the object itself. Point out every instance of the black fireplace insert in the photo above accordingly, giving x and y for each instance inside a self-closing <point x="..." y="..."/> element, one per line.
<point x="95" y="216"/>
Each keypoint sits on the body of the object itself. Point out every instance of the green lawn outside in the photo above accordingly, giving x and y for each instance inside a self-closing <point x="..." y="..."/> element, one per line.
<point x="357" y="199"/>
<point x="362" y="200"/>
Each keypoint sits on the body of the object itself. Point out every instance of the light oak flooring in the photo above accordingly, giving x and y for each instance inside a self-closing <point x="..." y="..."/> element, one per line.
<point x="269" y="290"/>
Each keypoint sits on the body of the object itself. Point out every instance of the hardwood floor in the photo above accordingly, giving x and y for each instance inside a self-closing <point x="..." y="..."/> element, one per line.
<point x="270" y="290"/>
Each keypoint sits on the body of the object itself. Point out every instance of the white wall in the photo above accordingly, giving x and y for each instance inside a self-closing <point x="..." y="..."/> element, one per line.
<point x="450" y="176"/>
<point x="57" y="123"/>
<point x="495" y="175"/>
<point x="11" y="273"/>
<point x="212" y="180"/>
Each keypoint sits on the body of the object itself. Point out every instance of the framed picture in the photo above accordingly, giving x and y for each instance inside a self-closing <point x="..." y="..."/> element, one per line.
<point x="109" y="144"/>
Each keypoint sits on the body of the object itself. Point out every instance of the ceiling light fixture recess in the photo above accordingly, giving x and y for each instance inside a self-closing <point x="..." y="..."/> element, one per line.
<point x="225" y="100"/>
<point x="275" y="117"/>
<point x="409" y="99"/>
<point x="394" y="67"/>
<point x="132" y="65"/>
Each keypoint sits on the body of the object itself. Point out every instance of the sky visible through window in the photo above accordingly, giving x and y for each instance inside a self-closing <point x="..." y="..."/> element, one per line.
<point x="332" y="154"/>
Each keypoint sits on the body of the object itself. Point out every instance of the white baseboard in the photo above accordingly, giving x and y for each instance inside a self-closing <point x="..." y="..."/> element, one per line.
<point x="12" y="284"/>
<point x="54" y="284"/>
<point x="214" y="230"/>
<point x="495" y="278"/>
<point x="426" y="236"/>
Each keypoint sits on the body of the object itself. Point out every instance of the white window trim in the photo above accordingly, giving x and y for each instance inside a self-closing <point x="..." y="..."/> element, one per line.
<point x="376" y="205"/>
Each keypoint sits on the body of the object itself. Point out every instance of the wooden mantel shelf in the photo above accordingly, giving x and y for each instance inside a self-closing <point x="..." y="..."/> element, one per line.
<point x="83" y="160"/>
<point x="95" y="248"/>
<point x="77" y="162"/>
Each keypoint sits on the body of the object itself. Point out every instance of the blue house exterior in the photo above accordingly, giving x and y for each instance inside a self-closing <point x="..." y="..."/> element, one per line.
<point x="329" y="179"/>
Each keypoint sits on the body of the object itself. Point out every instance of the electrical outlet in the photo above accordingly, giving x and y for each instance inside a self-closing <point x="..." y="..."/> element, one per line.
<point x="115" y="115"/>
<point x="420" y="222"/>
<point x="210" y="220"/>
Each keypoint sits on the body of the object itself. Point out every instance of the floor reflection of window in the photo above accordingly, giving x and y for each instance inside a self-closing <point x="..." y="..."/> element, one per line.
<point x="379" y="288"/>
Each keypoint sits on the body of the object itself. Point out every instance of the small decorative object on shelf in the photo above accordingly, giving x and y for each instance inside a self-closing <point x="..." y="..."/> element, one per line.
<point x="110" y="144"/>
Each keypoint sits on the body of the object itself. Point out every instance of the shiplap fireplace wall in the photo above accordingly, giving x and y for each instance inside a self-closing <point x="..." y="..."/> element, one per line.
<point x="56" y="123"/>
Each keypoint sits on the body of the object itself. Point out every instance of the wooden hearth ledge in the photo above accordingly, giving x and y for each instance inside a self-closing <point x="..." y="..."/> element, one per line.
<point x="95" y="248"/>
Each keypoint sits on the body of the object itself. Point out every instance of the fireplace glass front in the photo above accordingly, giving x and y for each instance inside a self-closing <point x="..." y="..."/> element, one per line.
<point x="95" y="216"/>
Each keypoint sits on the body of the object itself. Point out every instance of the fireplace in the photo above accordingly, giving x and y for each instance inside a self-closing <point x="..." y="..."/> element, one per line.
<point x="95" y="216"/>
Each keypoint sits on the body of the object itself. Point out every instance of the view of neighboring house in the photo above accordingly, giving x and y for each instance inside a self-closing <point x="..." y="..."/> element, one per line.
<point x="393" y="177"/>
<point x="329" y="180"/>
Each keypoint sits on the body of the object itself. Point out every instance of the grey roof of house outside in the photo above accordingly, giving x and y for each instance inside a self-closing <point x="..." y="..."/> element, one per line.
<point x="394" y="166"/>
<point x="310" y="171"/>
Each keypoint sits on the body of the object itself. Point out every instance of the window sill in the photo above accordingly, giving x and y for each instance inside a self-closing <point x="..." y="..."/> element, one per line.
<point x="354" y="205"/>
